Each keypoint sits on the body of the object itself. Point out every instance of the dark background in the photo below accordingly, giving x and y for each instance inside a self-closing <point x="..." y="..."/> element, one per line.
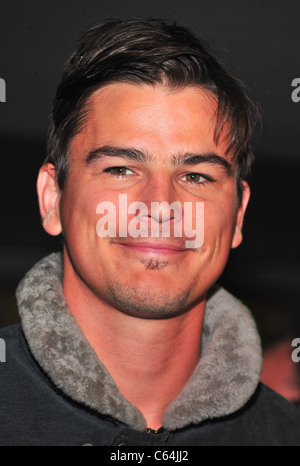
<point x="259" y="41"/>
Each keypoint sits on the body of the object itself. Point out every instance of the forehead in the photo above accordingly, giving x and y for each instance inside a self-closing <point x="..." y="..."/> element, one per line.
<point x="155" y="119"/>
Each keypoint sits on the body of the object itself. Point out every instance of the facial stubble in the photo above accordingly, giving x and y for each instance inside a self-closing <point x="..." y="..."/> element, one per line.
<point x="146" y="303"/>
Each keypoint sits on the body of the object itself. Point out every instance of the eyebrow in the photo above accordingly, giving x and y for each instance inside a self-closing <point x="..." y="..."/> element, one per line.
<point x="112" y="151"/>
<point x="209" y="158"/>
<point x="143" y="157"/>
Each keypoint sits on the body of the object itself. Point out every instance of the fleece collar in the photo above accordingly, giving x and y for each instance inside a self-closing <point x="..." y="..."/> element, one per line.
<point x="225" y="378"/>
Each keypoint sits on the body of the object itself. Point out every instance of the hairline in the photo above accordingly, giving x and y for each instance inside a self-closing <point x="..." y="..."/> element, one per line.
<point x="165" y="85"/>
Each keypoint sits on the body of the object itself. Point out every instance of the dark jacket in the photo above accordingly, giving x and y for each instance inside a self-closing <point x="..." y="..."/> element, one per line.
<point x="55" y="391"/>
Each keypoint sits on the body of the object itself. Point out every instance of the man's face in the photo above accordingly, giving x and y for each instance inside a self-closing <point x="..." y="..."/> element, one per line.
<point x="144" y="142"/>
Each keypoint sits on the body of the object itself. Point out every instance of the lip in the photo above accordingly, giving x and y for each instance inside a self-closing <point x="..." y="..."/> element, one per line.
<point x="154" y="248"/>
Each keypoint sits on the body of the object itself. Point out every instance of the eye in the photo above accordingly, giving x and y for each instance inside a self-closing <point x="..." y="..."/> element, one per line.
<point x="119" y="171"/>
<point x="197" y="178"/>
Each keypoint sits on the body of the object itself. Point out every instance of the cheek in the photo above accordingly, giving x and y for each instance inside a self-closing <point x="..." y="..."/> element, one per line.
<point x="82" y="210"/>
<point x="219" y="221"/>
<point x="78" y="210"/>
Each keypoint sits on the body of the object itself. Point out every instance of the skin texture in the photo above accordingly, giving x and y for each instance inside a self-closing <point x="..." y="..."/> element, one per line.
<point x="136" y="303"/>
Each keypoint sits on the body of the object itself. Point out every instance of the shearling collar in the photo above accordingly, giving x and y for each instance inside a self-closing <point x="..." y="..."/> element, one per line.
<point x="225" y="378"/>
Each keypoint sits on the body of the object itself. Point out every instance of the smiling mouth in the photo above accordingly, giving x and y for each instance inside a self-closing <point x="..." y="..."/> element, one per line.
<point x="153" y="248"/>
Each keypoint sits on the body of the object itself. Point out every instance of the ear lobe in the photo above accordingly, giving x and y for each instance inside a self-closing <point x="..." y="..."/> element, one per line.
<point x="238" y="236"/>
<point x="49" y="197"/>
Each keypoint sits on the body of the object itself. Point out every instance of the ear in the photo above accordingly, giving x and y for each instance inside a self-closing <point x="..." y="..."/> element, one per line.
<point x="49" y="197"/>
<point x="238" y="236"/>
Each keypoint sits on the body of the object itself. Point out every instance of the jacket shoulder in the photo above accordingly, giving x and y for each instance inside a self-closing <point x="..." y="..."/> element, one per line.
<point x="269" y="400"/>
<point x="11" y="337"/>
<point x="276" y="419"/>
<point x="11" y="331"/>
<point x="267" y="419"/>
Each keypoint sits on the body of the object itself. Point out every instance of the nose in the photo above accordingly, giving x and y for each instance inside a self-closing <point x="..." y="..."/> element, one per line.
<point x="160" y="197"/>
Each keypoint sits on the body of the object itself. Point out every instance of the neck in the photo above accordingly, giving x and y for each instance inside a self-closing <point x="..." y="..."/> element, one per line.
<point x="149" y="360"/>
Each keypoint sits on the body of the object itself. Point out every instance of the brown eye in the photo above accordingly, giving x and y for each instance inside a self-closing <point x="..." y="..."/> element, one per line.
<point x="194" y="178"/>
<point x="119" y="171"/>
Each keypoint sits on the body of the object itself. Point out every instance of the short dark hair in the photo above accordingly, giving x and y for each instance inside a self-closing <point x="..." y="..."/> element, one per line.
<point x="147" y="52"/>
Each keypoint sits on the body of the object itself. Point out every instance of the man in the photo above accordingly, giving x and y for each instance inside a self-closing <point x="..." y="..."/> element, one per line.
<point x="127" y="339"/>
